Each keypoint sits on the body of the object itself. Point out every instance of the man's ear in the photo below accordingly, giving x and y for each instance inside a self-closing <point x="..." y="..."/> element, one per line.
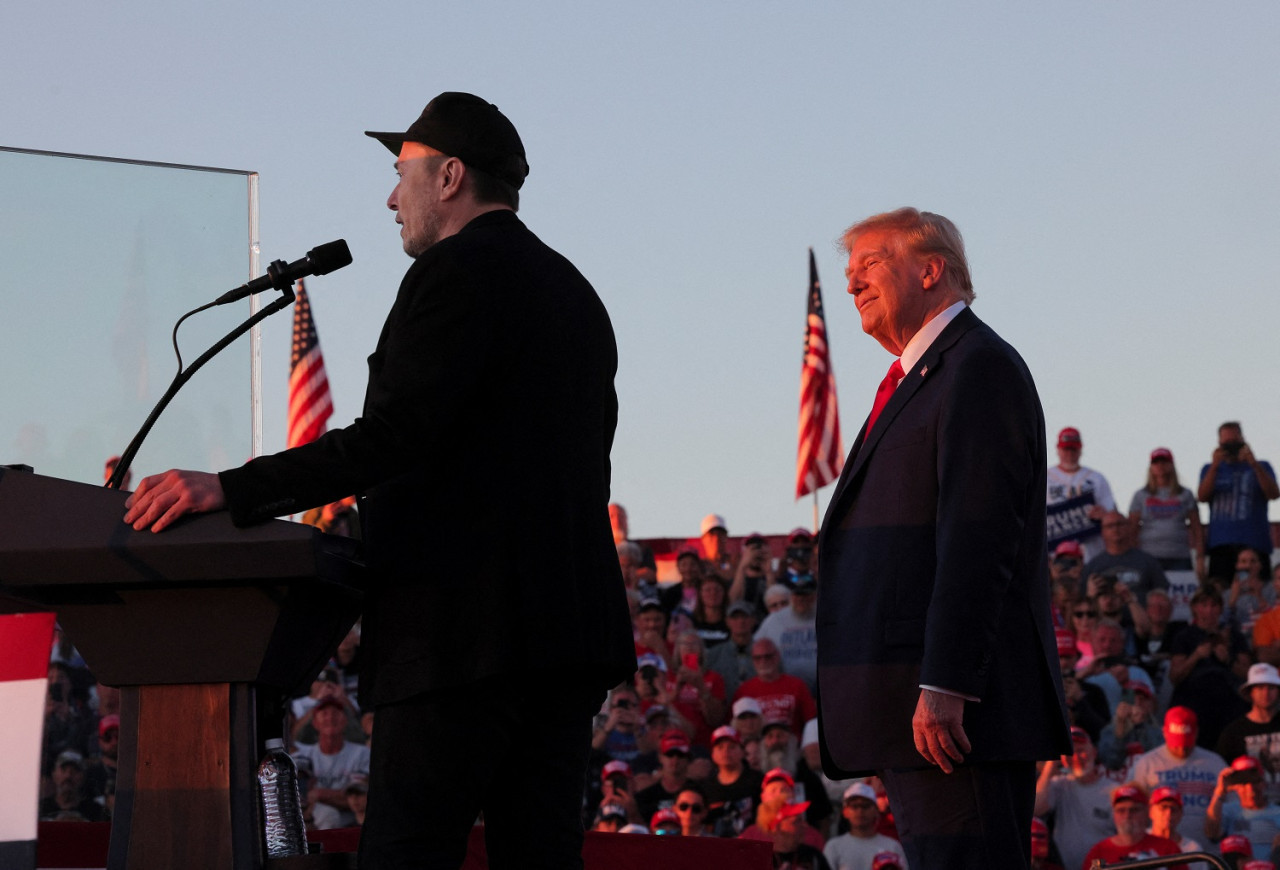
<point x="451" y="175"/>
<point x="932" y="268"/>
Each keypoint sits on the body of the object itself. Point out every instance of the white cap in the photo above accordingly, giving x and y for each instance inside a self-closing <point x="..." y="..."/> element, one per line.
<point x="713" y="521"/>
<point x="860" y="790"/>
<point x="747" y="705"/>
<point x="1261" y="674"/>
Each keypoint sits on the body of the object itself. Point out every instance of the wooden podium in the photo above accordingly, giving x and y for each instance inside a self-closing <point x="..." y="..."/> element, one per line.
<point x="204" y="627"/>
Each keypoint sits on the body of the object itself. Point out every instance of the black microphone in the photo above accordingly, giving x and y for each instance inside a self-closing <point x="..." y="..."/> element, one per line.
<point x="320" y="260"/>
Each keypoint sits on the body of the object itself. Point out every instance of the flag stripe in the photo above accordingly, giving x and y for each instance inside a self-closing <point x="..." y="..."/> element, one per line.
<point x="22" y="721"/>
<point x="820" y="455"/>
<point x="25" y="641"/>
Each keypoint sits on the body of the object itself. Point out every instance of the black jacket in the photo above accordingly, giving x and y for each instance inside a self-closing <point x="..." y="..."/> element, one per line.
<point x="482" y="461"/>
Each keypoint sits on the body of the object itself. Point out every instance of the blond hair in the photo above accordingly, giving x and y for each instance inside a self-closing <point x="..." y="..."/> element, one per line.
<point x="924" y="233"/>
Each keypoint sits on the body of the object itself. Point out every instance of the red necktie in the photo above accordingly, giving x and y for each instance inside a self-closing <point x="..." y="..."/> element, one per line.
<point x="884" y="391"/>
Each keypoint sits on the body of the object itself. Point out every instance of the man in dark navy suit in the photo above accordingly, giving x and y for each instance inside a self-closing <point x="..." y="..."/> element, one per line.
<point x="937" y="663"/>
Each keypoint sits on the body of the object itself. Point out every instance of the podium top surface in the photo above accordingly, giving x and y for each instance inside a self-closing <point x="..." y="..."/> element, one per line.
<point x="60" y="533"/>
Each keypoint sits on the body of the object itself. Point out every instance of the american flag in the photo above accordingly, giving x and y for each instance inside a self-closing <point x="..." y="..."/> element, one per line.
<point x="821" y="453"/>
<point x="309" y="403"/>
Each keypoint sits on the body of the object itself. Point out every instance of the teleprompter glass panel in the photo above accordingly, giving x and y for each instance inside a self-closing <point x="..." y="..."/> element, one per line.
<point x="98" y="260"/>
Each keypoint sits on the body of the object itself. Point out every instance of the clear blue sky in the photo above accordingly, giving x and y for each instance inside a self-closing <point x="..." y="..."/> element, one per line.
<point x="1113" y="167"/>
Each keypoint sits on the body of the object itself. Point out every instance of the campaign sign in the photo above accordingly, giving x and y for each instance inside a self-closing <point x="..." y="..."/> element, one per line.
<point x="1069" y="520"/>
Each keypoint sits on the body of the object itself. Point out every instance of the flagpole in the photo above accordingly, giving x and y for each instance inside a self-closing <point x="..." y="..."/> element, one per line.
<point x="815" y="512"/>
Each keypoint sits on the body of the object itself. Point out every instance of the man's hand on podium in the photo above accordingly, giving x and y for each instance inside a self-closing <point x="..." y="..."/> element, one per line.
<point x="162" y="498"/>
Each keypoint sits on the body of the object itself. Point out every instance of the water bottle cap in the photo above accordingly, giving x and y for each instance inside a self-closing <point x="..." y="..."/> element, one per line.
<point x="274" y="743"/>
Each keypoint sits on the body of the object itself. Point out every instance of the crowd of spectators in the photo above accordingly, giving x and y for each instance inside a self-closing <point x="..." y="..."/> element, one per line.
<point x="1168" y="636"/>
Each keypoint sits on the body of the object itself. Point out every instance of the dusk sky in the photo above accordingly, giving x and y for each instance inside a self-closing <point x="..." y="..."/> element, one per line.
<point x="1114" y="168"/>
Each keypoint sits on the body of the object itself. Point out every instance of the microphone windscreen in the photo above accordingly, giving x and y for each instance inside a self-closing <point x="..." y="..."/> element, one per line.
<point x="325" y="258"/>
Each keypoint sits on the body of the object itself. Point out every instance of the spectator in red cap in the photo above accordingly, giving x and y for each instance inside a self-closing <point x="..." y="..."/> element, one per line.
<point x="1166" y="815"/>
<point x="1167" y="518"/>
<point x="1257" y="733"/>
<point x="333" y="759"/>
<point x="1180" y="764"/>
<point x="101" y="770"/>
<point x="1132" y="731"/>
<point x="733" y="791"/>
<point x="617" y="786"/>
<point x="1237" y="851"/>
<point x="1131" y="840"/>
<point x="665" y="823"/>
<point x="1065" y="565"/>
<point x="1040" y="847"/>
<point x="790" y="848"/>
<point x="888" y="861"/>
<point x="781" y="696"/>
<point x="858" y="849"/>
<point x="1079" y="796"/>
<point x="1208" y="662"/>
<point x="777" y="792"/>
<point x="674" y="755"/>
<point x="1086" y="703"/>
<point x="755" y="572"/>
<point x="1252" y="815"/>
<point x="1070" y="480"/>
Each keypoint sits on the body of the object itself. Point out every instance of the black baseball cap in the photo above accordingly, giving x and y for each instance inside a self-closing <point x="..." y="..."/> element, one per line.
<point x="469" y="128"/>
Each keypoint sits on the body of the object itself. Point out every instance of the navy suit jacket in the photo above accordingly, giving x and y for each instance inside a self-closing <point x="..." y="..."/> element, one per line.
<point x="933" y="568"/>
<point x="482" y="462"/>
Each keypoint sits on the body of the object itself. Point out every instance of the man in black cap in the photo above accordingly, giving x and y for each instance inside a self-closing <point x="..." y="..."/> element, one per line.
<point x="490" y="395"/>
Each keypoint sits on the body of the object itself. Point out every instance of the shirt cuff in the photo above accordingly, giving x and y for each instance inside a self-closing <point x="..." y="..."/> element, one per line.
<point x="953" y="694"/>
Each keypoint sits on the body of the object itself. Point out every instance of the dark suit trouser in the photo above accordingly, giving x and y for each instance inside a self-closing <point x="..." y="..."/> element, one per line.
<point x="517" y="752"/>
<point x="975" y="818"/>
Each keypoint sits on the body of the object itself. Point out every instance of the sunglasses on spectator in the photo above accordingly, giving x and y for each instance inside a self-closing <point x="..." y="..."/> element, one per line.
<point x="1086" y="613"/>
<point x="688" y="807"/>
<point x="623" y="705"/>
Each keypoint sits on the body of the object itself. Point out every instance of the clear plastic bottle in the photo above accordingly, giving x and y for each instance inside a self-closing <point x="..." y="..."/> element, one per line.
<point x="283" y="828"/>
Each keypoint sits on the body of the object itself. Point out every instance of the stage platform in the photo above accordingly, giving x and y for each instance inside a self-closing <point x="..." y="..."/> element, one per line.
<point x="83" y="846"/>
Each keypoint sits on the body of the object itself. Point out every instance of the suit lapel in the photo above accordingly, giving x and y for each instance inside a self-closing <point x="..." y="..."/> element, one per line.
<point x="864" y="446"/>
